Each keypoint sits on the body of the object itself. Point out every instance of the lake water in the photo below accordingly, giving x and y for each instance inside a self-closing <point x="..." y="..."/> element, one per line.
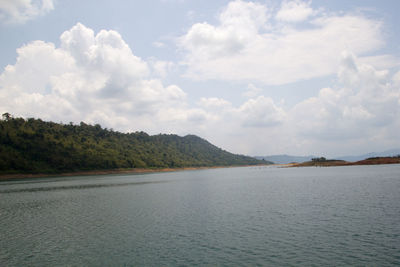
<point x="229" y="217"/>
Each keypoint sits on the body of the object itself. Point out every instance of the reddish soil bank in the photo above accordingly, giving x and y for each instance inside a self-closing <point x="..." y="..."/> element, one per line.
<point x="374" y="161"/>
<point x="330" y="163"/>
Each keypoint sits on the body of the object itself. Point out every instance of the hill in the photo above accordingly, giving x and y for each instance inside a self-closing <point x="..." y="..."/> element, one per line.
<point x="37" y="146"/>
<point x="285" y="159"/>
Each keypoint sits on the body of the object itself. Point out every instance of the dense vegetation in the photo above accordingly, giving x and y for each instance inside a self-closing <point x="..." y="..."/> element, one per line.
<point x="36" y="146"/>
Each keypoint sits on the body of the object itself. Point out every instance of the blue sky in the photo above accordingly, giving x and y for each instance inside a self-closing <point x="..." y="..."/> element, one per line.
<point x="253" y="77"/>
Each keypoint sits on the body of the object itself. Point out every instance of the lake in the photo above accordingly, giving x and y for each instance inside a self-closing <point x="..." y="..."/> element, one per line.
<point x="250" y="216"/>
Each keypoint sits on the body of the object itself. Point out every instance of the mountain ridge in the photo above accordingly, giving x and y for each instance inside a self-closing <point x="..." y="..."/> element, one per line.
<point x="37" y="146"/>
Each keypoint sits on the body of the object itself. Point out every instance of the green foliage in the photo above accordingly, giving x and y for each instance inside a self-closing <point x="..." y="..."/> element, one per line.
<point x="36" y="146"/>
<point x="321" y="159"/>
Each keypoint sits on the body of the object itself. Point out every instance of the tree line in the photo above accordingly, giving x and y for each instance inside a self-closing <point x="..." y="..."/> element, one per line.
<point x="37" y="146"/>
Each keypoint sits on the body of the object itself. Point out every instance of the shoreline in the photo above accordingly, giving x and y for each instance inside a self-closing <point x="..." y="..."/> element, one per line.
<point x="337" y="163"/>
<point x="5" y="177"/>
<point x="17" y="176"/>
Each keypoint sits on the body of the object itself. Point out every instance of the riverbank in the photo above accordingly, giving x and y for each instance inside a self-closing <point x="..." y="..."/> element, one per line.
<point x="333" y="163"/>
<point x="116" y="171"/>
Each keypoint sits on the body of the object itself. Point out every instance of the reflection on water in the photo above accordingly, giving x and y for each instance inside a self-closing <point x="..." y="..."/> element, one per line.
<point x="70" y="187"/>
<point x="236" y="216"/>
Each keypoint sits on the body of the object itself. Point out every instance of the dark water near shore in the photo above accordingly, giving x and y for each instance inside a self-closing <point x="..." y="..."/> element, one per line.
<point x="231" y="217"/>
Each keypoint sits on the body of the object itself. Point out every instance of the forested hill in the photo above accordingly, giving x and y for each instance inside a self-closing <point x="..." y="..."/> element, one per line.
<point x="36" y="146"/>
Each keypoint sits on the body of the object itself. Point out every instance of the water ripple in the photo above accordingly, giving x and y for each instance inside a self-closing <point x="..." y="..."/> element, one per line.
<point x="74" y="187"/>
<point x="229" y="217"/>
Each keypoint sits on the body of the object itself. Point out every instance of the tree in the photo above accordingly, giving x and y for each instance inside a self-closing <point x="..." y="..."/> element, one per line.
<point x="6" y="116"/>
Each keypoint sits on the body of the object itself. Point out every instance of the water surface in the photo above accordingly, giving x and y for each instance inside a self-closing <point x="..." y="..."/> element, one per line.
<point x="235" y="216"/>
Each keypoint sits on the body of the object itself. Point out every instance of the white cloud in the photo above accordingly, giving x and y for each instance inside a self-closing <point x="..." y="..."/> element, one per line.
<point x="214" y="103"/>
<point x="245" y="45"/>
<point x="92" y="78"/>
<point x="366" y="106"/>
<point x="161" y="68"/>
<point x="294" y="11"/>
<point x="261" y="112"/>
<point x="244" y="16"/>
<point x="96" y="78"/>
<point x="240" y="21"/>
<point x="106" y="52"/>
<point x="20" y="11"/>
<point x="252" y="91"/>
<point x="362" y="113"/>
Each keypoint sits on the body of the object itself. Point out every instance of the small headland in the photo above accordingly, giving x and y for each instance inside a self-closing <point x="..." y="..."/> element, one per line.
<point x="323" y="162"/>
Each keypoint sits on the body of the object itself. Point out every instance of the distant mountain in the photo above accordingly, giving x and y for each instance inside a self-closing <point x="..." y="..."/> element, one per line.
<point x="285" y="159"/>
<point x="36" y="146"/>
<point x="387" y="153"/>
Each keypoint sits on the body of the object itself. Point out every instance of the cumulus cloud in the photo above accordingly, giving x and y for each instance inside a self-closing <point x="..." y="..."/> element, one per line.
<point x="294" y="11"/>
<point x="239" y="22"/>
<point x="246" y="45"/>
<point x="261" y="112"/>
<point x="214" y="103"/>
<point x="363" y="110"/>
<point x="252" y="91"/>
<point x="161" y="68"/>
<point x="94" y="78"/>
<point x="20" y="11"/>
<point x="256" y="112"/>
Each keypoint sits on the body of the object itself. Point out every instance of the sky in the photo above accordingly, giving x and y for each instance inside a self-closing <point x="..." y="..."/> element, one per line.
<point x="252" y="77"/>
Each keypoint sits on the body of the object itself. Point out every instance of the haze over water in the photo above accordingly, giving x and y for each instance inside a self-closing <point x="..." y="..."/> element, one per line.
<point x="234" y="216"/>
